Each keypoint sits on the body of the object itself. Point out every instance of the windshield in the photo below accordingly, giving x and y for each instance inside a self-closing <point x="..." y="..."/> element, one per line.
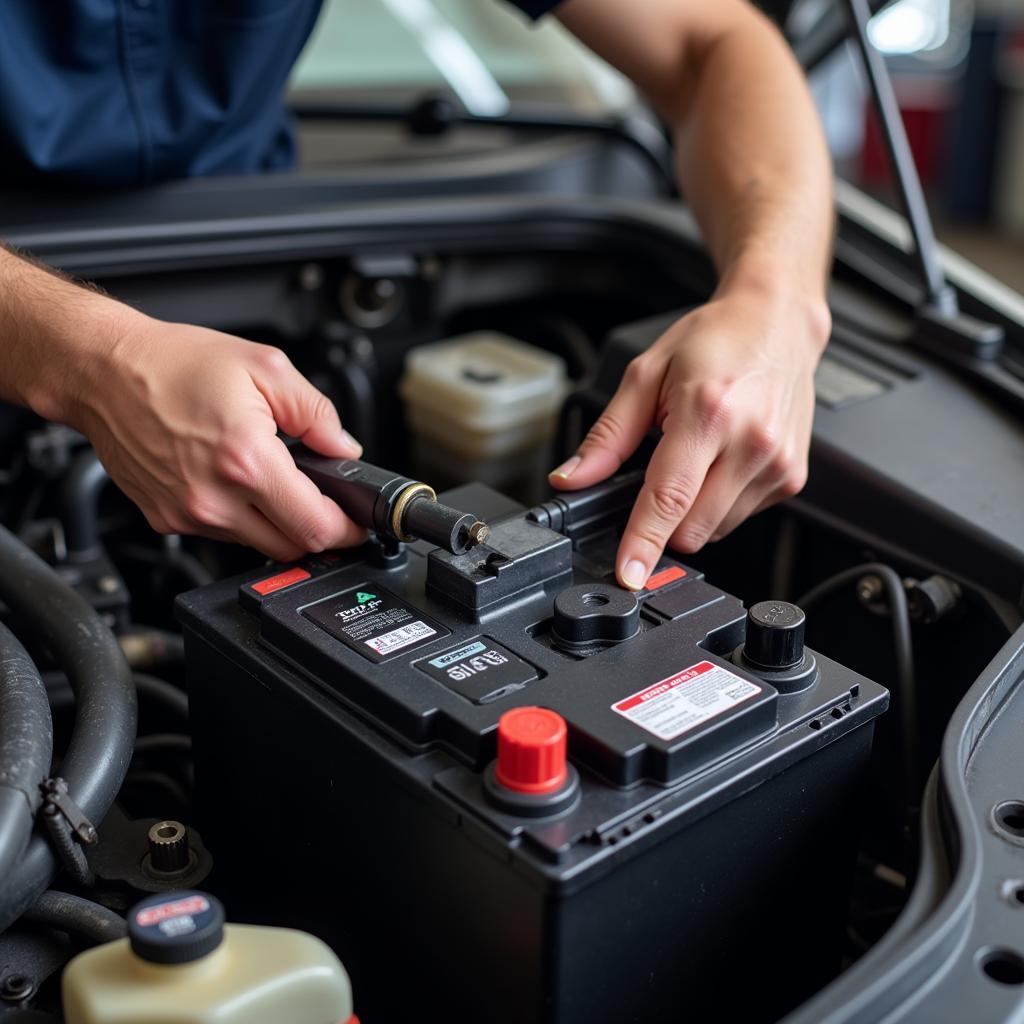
<point x="483" y="51"/>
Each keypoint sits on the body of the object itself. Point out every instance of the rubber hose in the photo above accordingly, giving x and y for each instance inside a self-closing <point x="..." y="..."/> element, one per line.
<point x="106" y="714"/>
<point x="80" y="505"/>
<point x="26" y="747"/>
<point x="82" y="918"/>
<point x="166" y="696"/>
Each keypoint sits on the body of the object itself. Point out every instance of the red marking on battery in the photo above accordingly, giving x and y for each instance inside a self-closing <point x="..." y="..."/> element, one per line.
<point x="665" y="577"/>
<point x="666" y="684"/>
<point x="174" y="908"/>
<point x="280" y="581"/>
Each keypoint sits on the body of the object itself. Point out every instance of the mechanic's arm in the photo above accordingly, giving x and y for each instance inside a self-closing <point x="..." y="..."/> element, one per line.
<point x="184" y="419"/>
<point x="731" y="384"/>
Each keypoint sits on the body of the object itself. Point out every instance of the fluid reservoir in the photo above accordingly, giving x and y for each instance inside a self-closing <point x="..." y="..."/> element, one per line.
<point x="483" y="407"/>
<point x="182" y="965"/>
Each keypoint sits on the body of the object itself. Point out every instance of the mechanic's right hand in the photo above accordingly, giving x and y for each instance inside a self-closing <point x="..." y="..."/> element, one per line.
<point x="185" y="421"/>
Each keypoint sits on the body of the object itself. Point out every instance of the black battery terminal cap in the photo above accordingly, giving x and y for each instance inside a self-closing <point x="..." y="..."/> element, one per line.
<point x="774" y="646"/>
<point x="532" y="777"/>
<point x="176" y="927"/>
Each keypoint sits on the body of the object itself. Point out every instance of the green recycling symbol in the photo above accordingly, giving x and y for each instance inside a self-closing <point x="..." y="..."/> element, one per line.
<point x="362" y="598"/>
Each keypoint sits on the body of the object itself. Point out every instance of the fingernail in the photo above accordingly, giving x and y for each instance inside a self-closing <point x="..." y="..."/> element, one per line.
<point x="567" y="468"/>
<point x="634" y="574"/>
<point x="351" y="442"/>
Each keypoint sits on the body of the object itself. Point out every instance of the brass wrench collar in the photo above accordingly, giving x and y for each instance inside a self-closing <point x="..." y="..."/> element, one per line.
<point x="416" y="490"/>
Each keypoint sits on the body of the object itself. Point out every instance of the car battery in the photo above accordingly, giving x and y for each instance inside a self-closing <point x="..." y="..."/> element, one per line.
<point x="505" y="789"/>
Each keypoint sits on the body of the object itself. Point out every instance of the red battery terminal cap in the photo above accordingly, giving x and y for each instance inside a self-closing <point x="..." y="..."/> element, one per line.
<point x="531" y="750"/>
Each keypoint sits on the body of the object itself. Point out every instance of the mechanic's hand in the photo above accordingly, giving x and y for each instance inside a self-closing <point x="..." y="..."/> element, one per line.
<point x="185" y="421"/>
<point x="731" y="387"/>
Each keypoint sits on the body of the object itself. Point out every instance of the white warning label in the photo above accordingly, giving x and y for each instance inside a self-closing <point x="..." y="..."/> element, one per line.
<point x="687" y="699"/>
<point x="401" y="637"/>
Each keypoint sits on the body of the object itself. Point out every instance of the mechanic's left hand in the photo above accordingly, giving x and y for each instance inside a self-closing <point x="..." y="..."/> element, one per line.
<point x="731" y="387"/>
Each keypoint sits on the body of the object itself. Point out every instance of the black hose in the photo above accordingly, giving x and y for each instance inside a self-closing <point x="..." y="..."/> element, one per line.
<point x="138" y="777"/>
<point x="103" y="736"/>
<point x="26" y="747"/>
<point x="905" y="680"/>
<point x="80" y="505"/>
<point x="179" y="560"/>
<point x="79" y="917"/>
<point x="150" y="689"/>
<point x="169" y="697"/>
<point x="171" y="560"/>
<point x="163" y="743"/>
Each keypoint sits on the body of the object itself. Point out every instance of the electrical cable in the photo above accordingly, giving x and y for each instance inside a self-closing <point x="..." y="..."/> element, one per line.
<point x="906" y="686"/>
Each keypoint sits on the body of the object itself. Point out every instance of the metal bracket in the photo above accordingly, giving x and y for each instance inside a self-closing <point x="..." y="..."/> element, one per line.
<point x="57" y="800"/>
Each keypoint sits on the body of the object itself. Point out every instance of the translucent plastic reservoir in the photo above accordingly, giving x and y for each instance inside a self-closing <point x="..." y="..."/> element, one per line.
<point x="482" y="406"/>
<point x="255" y="976"/>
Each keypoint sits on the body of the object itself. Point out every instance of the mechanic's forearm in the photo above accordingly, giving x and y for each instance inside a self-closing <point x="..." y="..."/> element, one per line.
<point x="56" y="335"/>
<point x="753" y="162"/>
<point x="754" y="165"/>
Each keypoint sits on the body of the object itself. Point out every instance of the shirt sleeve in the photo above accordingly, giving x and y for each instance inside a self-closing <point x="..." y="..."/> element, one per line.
<point x="535" y="8"/>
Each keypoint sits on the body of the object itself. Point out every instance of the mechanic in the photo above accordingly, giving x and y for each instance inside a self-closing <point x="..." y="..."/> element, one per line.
<point x="185" y="419"/>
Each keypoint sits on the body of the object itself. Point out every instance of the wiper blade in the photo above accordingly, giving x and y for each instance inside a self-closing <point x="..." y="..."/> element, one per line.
<point x="436" y="114"/>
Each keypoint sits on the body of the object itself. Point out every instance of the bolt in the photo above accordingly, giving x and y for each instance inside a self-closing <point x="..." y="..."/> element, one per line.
<point x="16" y="987"/>
<point x="478" y="533"/>
<point x="870" y="589"/>
<point x="108" y="585"/>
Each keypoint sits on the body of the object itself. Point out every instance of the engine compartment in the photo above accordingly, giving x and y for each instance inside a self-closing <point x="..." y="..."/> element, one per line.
<point x="897" y="589"/>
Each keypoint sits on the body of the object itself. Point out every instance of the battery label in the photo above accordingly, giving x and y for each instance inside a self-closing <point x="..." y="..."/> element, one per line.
<point x="685" y="700"/>
<point x="457" y="654"/>
<point x="481" y="670"/>
<point x="401" y="637"/>
<point x="374" y="622"/>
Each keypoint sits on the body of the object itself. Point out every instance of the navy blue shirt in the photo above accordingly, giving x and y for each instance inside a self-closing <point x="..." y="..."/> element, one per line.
<point x="117" y="92"/>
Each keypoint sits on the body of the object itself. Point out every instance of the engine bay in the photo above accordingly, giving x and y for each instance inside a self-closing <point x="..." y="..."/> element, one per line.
<point x="322" y="741"/>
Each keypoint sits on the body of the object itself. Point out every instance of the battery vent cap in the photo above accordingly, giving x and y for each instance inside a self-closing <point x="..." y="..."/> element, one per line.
<point x="775" y="634"/>
<point x="531" y="751"/>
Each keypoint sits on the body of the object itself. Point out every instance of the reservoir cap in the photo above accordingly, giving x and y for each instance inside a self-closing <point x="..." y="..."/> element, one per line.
<point x="176" y="927"/>
<point x="531" y="750"/>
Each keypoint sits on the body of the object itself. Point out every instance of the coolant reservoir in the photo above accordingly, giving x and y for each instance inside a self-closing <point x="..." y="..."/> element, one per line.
<point x="482" y="407"/>
<point x="182" y="965"/>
